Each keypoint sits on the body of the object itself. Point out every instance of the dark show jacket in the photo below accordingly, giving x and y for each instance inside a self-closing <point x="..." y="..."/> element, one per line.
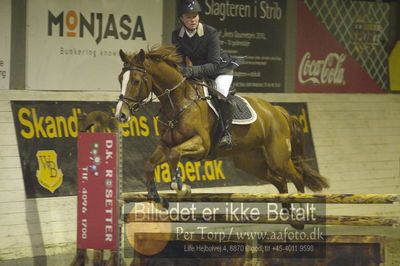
<point x="204" y="50"/>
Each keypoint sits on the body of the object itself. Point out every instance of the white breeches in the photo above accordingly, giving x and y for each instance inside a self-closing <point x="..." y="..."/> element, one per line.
<point x="223" y="83"/>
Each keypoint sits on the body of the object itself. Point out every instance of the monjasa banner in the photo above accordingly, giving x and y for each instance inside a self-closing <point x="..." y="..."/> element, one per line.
<point x="81" y="40"/>
<point x="47" y="134"/>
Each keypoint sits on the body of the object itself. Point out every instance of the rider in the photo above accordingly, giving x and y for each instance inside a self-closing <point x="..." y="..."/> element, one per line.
<point x="199" y="42"/>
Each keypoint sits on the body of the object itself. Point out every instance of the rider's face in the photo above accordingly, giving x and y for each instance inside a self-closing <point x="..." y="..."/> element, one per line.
<point x="190" y="20"/>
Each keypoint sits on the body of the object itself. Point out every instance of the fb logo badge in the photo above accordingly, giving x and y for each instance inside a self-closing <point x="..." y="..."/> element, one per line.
<point x="48" y="175"/>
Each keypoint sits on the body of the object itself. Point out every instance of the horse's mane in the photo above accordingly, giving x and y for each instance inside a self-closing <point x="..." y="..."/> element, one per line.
<point x="166" y="53"/>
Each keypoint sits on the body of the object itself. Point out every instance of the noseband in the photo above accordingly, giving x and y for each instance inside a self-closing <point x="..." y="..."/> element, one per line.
<point x="138" y="101"/>
<point x="126" y="100"/>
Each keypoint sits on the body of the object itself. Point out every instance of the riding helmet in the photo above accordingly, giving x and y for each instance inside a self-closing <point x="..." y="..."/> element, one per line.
<point x="188" y="6"/>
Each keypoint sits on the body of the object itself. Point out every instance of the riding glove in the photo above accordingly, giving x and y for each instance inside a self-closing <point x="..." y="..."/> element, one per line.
<point x="187" y="72"/>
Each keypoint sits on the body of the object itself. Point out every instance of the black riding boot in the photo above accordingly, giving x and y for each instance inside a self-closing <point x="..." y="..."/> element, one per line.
<point x="226" y="118"/>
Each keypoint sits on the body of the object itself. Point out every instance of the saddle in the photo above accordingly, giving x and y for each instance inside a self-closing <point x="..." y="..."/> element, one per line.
<point x="242" y="112"/>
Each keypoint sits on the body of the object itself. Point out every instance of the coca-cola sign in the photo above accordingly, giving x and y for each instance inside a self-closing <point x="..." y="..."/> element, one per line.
<point x="323" y="63"/>
<point x="329" y="70"/>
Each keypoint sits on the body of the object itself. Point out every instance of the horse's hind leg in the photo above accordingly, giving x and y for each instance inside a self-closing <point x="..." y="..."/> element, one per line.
<point x="255" y="163"/>
<point x="297" y="178"/>
<point x="289" y="171"/>
<point x="278" y="157"/>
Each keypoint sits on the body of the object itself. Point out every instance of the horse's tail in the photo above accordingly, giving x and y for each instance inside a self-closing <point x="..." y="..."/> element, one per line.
<point x="312" y="179"/>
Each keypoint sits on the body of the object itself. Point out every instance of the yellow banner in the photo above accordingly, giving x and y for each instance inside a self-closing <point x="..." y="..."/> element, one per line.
<point x="394" y="68"/>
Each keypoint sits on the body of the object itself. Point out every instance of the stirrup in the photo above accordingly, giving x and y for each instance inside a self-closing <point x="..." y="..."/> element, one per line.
<point x="225" y="142"/>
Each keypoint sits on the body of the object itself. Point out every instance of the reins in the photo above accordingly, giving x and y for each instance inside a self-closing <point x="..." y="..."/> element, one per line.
<point x="168" y="92"/>
<point x="172" y="123"/>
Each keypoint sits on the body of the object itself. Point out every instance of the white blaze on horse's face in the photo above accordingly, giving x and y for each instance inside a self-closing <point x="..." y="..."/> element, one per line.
<point x="125" y="80"/>
<point x="119" y="112"/>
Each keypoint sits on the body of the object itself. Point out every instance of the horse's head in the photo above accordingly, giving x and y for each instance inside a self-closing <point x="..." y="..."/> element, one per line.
<point x="136" y="85"/>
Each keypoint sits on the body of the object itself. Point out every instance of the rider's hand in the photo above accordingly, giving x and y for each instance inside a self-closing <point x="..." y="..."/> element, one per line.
<point x="187" y="72"/>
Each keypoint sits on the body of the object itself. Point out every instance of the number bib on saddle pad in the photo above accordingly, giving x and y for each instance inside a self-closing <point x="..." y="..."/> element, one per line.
<point x="243" y="113"/>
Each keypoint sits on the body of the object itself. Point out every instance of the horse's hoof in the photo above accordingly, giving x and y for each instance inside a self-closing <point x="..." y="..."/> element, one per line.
<point x="174" y="186"/>
<point x="164" y="203"/>
<point x="297" y="226"/>
<point x="186" y="191"/>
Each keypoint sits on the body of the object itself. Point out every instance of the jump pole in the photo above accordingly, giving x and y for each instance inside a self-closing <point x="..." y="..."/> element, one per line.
<point x="274" y="198"/>
<point x="392" y="221"/>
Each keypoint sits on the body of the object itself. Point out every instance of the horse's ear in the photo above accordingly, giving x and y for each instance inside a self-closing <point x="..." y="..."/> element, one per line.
<point x="187" y="61"/>
<point x="123" y="56"/>
<point x="141" y="56"/>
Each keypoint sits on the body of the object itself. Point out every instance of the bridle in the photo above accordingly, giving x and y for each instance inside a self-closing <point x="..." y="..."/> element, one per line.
<point x="141" y="101"/>
<point x="138" y="101"/>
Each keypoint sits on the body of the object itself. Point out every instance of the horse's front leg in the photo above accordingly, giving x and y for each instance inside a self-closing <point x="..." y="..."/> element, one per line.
<point x="193" y="148"/>
<point x="160" y="155"/>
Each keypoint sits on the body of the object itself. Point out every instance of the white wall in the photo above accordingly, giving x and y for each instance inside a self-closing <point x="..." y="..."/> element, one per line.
<point x="5" y="43"/>
<point x="357" y="140"/>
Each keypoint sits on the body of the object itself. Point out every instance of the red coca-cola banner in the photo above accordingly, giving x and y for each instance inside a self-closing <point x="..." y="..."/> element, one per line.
<point x="97" y="191"/>
<point x="322" y="63"/>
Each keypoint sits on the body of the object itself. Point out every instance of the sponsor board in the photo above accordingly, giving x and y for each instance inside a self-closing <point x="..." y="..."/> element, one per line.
<point x="323" y="64"/>
<point x="53" y="127"/>
<point x="394" y="68"/>
<point x="74" y="44"/>
<point x="255" y="30"/>
<point x="97" y="186"/>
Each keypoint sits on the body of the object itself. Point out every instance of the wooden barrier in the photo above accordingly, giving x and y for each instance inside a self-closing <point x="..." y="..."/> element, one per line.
<point x="281" y="198"/>
<point x="276" y="198"/>
<point x="264" y="219"/>
<point x="328" y="250"/>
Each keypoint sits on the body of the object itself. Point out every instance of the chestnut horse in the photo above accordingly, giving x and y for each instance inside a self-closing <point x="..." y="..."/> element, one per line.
<point x="271" y="148"/>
